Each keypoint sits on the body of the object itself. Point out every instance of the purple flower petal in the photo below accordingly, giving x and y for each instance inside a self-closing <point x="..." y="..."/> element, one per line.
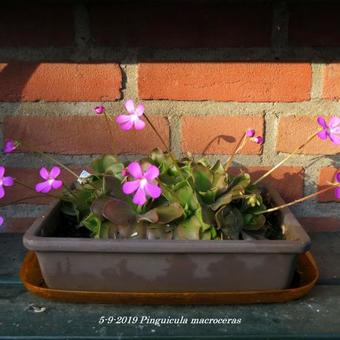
<point x="10" y="146"/>
<point x="55" y="172"/>
<point x="127" y="126"/>
<point x="121" y="119"/>
<point x="259" y="140"/>
<point x="130" y="106"/>
<point x="334" y="138"/>
<point x="334" y="122"/>
<point x="151" y="173"/>
<point x="44" y="173"/>
<point x="139" y="124"/>
<point x="323" y="134"/>
<point x="2" y="192"/>
<point x="56" y="184"/>
<point x="135" y="170"/>
<point x="250" y="133"/>
<point x="139" y="110"/>
<point x="153" y="190"/>
<point x="99" y="109"/>
<point x="8" y="181"/>
<point x="1" y="221"/>
<point x="2" y="171"/>
<point x="130" y="187"/>
<point x="338" y="177"/>
<point x="139" y="198"/>
<point x="321" y="121"/>
<point x="337" y="192"/>
<point x="44" y="187"/>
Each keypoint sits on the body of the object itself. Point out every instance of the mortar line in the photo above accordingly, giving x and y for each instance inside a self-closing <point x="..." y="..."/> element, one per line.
<point x="160" y="107"/>
<point x="316" y="90"/>
<point x="270" y="133"/>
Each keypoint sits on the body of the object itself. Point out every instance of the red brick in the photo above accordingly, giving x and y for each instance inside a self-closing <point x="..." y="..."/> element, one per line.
<point x="49" y="25"/>
<point x="23" y="81"/>
<point x="331" y="81"/>
<point x="30" y="177"/>
<point x="320" y="224"/>
<point x="288" y="180"/>
<point x="18" y="225"/>
<point x="314" y="24"/>
<point x="327" y="175"/>
<point x="193" y="25"/>
<point x="232" y="81"/>
<point x="294" y="131"/>
<point x="82" y="135"/>
<point x="218" y="134"/>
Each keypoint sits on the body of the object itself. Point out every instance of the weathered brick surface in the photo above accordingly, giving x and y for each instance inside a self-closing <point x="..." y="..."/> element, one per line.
<point x="82" y="135"/>
<point x="294" y="130"/>
<point x="18" y="225"/>
<point x="331" y="81"/>
<point x="288" y="180"/>
<point x="327" y="175"/>
<point x="218" y="134"/>
<point x="314" y="24"/>
<point x="36" y="25"/>
<point x="23" y="81"/>
<point x="320" y="224"/>
<point x="191" y="25"/>
<point x="233" y="81"/>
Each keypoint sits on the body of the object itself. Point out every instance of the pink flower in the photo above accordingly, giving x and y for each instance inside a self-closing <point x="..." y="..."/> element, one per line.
<point x="99" y="109"/>
<point x="337" y="190"/>
<point x="2" y="220"/>
<point x="144" y="184"/>
<point x="4" y="181"/>
<point x="125" y="172"/>
<point x="258" y="140"/>
<point x="132" y="120"/>
<point x="250" y="133"/>
<point x="332" y="130"/>
<point x="50" y="180"/>
<point x="10" y="145"/>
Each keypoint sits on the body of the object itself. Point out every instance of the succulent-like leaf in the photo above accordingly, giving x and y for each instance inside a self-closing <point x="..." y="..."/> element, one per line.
<point x="189" y="229"/>
<point x="163" y="214"/>
<point x="202" y="177"/>
<point x="239" y="184"/>
<point x="113" y="209"/>
<point x="230" y="221"/>
<point x="254" y="222"/>
<point x="221" y="201"/>
<point x="158" y="232"/>
<point x="93" y="223"/>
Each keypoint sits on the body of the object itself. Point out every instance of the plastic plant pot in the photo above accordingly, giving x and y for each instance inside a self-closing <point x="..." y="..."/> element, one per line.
<point x="166" y="265"/>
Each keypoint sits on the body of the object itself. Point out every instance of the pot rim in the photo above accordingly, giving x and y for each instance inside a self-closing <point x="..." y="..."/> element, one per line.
<point x="299" y="241"/>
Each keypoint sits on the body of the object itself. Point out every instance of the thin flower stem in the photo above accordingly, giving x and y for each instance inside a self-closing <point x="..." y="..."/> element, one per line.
<point x="110" y="129"/>
<point x="33" y="189"/>
<point x="239" y="146"/>
<point x="57" y="162"/>
<point x="69" y="191"/>
<point x="296" y="201"/>
<point x="157" y="133"/>
<point x="309" y="139"/>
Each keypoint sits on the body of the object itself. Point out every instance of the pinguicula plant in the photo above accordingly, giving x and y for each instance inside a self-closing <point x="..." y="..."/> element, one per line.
<point x="163" y="197"/>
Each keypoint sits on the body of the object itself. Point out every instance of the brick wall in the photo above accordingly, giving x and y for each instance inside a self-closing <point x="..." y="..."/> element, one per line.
<point x="205" y="73"/>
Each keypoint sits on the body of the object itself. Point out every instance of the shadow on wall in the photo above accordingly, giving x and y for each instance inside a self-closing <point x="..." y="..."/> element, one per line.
<point x="137" y="31"/>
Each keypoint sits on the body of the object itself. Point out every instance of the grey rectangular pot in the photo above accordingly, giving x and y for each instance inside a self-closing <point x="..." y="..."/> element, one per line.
<point x="166" y="266"/>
